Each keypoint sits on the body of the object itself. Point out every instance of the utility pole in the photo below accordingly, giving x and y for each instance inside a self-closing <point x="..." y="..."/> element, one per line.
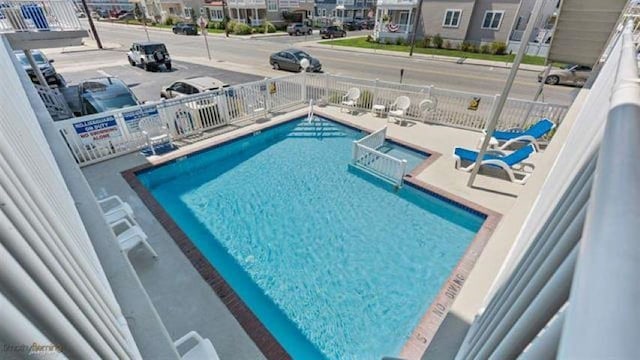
<point x="224" y="17"/>
<point x="92" y="26"/>
<point x="415" y="27"/>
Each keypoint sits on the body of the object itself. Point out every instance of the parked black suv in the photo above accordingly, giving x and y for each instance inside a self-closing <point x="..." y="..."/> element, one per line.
<point x="352" y="25"/>
<point x="331" y="32"/>
<point x="185" y="29"/>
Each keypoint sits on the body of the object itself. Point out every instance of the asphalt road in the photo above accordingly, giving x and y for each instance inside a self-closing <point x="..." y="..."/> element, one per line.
<point x="286" y="39"/>
<point x="251" y="56"/>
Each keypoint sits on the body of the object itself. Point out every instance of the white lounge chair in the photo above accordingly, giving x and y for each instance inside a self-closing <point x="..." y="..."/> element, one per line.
<point x="203" y="350"/>
<point x="114" y="204"/>
<point x="350" y="99"/>
<point x="399" y="108"/>
<point x="129" y="235"/>
<point x="155" y="133"/>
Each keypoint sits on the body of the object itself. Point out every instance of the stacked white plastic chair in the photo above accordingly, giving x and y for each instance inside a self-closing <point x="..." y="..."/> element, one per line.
<point x="350" y="99"/>
<point x="399" y="108"/>
<point x="120" y="217"/>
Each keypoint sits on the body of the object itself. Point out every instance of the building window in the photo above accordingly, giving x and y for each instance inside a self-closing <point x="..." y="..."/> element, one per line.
<point x="215" y="15"/>
<point x="452" y="18"/>
<point x="187" y="12"/>
<point x="492" y="20"/>
<point x="324" y="12"/>
<point x="272" y="5"/>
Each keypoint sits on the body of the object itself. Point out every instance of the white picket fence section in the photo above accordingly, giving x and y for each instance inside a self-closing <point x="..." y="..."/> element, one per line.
<point x="366" y="156"/>
<point x="106" y="135"/>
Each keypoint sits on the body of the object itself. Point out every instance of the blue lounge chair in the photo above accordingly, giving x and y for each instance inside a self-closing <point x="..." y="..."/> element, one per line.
<point x="531" y="135"/>
<point x="512" y="163"/>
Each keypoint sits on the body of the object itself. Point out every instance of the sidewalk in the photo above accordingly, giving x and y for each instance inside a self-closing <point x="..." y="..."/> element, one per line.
<point x="155" y="28"/>
<point x="499" y="64"/>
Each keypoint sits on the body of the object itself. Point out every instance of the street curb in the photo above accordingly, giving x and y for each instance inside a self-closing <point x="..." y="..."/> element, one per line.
<point x="318" y="45"/>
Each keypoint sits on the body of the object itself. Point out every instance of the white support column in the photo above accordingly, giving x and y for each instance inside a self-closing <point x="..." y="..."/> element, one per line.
<point x="408" y="22"/>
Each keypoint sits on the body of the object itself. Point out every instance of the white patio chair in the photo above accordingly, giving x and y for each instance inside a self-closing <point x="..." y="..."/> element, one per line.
<point x="129" y="235"/>
<point x="350" y="99"/>
<point x="399" y="108"/>
<point x="203" y="350"/>
<point x="113" y="204"/>
<point x="155" y="133"/>
<point x="427" y="106"/>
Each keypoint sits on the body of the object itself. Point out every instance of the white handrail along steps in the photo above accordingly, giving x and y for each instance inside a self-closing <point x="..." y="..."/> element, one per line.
<point x="367" y="157"/>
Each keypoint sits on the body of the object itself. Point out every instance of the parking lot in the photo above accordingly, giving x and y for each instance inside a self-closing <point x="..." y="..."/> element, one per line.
<point x="146" y="85"/>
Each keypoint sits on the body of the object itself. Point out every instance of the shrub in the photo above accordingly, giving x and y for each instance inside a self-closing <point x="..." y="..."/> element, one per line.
<point x="448" y="45"/>
<point x="485" y="49"/>
<point x="498" y="48"/>
<point x="399" y="41"/>
<point x="465" y="46"/>
<point x="426" y="42"/>
<point x="231" y="25"/>
<point x="388" y="41"/>
<point x="437" y="41"/>
<point x="169" y="21"/>
<point x="335" y="97"/>
<point x="217" y="25"/>
<point x="241" y="29"/>
<point x="369" y="38"/>
<point x="474" y="48"/>
<point x="270" y="27"/>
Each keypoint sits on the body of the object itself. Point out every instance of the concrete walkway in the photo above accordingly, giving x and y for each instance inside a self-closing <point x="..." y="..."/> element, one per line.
<point x="181" y="297"/>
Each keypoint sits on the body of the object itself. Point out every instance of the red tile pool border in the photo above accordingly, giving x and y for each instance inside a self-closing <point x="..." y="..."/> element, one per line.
<point x="426" y="329"/>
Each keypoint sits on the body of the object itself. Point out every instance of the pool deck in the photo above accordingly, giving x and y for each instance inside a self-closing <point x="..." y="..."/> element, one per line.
<point x="182" y="297"/>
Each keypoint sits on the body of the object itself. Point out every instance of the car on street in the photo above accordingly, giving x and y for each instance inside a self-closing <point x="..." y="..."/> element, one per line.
<point x="104" y="94"/>
<point x="45" y="65"/>
<point x="569" y="74"/>
<point x="367" y="24"/>
<point x="331" y="32"/>
<point x="149" y="55"/>
<point x="352" y="25"/>
<point x="126" y="16"/>
<point x="191" y="86"/>
<point x="290" y="59"/>
<point x="185" y="29"/>
<point x="299" y="29"/>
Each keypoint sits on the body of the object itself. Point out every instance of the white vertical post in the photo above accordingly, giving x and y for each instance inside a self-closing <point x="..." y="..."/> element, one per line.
<point x="406" y="31"/>
<point x="491" y="127"/>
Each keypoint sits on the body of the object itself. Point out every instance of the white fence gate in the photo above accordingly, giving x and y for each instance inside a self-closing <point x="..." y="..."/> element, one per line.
<point x="367" y="157"/>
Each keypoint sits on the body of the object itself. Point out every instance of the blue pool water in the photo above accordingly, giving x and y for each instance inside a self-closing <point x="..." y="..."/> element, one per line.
<point x="335" y="263"/>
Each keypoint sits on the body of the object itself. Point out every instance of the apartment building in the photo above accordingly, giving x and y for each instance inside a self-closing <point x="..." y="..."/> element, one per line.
<point x="255" y="12"/>
<point x="344" y="9"/>
<point x="474" y="21"/>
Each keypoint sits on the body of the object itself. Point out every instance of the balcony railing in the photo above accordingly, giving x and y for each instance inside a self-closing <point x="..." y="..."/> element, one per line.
<point x="34" y="16"/>
<point x="248" y="3"/>
<point x="386" y="3"/>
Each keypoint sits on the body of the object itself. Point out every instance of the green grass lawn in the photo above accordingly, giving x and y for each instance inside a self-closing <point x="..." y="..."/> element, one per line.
<point x="361" y="42"/>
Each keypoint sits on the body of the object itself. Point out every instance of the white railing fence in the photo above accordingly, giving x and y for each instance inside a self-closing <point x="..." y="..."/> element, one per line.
<point x="102" y="136"/>
<point x="105" y="135"/>
<point x="366" y="156"/>
<point x="55" y="102"/>
<point x="38" y="15"/>
<point x="452" y="108"/>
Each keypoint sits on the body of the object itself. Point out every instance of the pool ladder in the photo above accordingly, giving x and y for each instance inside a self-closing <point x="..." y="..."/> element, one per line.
<point x="310" y="113"/>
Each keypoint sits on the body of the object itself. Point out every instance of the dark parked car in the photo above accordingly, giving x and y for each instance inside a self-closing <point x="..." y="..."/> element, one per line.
<point x="150" y="55"/>
<point x="104" y="94"/>
<point x="290" y="60"/>
<point x="48" y="71"/>
<point x="352" y="25"/>
<point x="185" y="29"/>
<point x="299" y="29"/>
<point x="367" y="24"/>
<point x="331" y="32"/>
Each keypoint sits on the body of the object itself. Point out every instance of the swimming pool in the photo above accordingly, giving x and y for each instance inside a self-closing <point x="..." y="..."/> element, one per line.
<point x="335" y="263"/>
